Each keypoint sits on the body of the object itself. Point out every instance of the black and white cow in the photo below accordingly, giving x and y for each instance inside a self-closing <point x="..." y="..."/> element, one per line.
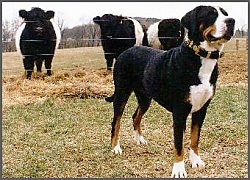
<point x="36" y="39"/>
<point x="165" y="34"/>
<point x="118" y="34"/>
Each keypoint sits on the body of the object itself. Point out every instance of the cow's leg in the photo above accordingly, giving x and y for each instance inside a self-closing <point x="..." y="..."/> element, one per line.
<point x="180" y="113"/>
<point x="144" y="103"/>
<point x="109" y="63"/>
<point x="120" y="99"/>
<point x="109" y="60"/>
<point x="28" y="62"/>
<point x="197" y="121"/>
<point x="39" y="63"/>
<point x="48" y="61"/>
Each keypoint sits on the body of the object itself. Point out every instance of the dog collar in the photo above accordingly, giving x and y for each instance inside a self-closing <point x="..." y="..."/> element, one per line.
<point x="201" y="51"/>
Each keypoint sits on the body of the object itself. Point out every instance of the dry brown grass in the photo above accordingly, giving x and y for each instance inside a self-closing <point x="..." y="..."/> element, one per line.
<point x="80" y="83"/>
<point x="81" y="72"/>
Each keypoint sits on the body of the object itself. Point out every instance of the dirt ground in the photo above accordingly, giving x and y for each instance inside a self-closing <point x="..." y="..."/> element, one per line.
<point x="233" y="69"/>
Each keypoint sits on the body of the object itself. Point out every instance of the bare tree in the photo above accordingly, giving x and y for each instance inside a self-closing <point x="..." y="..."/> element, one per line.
<point x="93" y="32"/>
<point x="61" y="26"/>
<point x="9" y="29"/>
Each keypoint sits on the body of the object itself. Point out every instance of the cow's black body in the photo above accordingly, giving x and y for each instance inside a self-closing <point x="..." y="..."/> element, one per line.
<point x="117" y="35"/>
<point x="165" y="34"/>
<point x="170" y="33"/>
<point x="37" y="40"/>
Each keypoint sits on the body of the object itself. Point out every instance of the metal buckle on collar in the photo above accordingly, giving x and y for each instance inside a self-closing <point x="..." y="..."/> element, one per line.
<point x="208" y="54"/>
<point x="196" y="49"/>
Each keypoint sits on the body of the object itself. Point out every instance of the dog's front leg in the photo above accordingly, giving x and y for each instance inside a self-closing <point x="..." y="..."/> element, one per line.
<point x="179" y="165"/>
<point x="197" y="121"/>
<point x="179" y="118"/>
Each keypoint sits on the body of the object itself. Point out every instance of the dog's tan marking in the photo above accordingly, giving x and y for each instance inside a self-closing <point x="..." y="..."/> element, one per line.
<point x="209" y="31"/>
<point x="178" y="157"/>
<point x="137" y="121"/>
<point x="114" y="139"/>
<point x="194" y="138"/>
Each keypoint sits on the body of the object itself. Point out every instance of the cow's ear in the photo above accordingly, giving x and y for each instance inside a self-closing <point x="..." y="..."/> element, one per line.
<point x="23" y="13"/>
<point x="50" y="14"/>
<point x="121" y="18"/>
<point x="97" y="20"/>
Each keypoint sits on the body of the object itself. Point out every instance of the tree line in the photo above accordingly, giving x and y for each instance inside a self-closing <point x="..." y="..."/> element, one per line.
<point x="86" y="35"/>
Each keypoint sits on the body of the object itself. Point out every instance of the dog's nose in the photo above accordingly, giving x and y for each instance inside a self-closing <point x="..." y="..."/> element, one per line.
<point x="230" y="21"/>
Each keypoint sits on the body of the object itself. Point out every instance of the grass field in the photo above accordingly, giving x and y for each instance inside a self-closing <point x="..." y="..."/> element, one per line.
<point x="59" y="126"/>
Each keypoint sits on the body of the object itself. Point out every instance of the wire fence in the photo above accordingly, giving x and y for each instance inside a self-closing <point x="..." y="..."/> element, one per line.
<point x="9" y="46"/>
<point x="236" y="45"/>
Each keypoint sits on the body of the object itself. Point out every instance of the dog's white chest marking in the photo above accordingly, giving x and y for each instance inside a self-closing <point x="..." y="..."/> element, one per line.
<point x="200" y="94"/>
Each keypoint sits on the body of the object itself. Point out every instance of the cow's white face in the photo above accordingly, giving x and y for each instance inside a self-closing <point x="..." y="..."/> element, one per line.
<point x="37" y="25"/>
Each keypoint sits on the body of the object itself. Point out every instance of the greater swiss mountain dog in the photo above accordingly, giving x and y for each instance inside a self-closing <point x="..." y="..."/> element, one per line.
<point x="182" y="80"/>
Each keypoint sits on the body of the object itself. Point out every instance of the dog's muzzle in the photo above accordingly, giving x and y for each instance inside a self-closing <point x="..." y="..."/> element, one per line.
<point x="230" y="22"/>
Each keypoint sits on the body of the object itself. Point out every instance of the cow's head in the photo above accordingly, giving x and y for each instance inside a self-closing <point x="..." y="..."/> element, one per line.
<point x="108" y="24"/>
<point x="171" y="33"/>
<point x="37" y="20"/>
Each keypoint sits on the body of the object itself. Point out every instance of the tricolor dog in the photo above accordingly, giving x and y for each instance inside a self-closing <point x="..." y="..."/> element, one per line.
<point x="182" y="80"/>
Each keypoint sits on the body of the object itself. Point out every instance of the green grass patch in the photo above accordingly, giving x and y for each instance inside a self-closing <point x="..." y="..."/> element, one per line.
<point x="71" y="138"/>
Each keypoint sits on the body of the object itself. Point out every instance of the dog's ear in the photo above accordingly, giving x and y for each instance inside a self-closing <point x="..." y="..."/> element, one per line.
<point x="190" y="21"/>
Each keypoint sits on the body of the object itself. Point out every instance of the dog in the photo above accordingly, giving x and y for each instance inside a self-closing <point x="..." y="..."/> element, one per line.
<point x="182" y="80"/>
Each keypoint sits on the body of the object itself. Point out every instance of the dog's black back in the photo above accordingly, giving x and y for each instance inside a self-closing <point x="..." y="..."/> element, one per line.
<point x="130" y="65"/>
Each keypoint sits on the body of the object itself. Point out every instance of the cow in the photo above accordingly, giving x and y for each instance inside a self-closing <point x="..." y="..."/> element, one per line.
<point x="165" y="34"/>
<point x="118" y="33"/>
<point x="36" y="39"/>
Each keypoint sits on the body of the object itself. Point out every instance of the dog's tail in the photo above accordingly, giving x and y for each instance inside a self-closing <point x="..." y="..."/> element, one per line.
<point x="110" y="99"/>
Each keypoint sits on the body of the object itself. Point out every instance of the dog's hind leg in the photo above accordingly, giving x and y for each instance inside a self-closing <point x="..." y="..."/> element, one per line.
<point x="197" y="121"/>
<point x="120" y="100"/>
<point x="144" y="103"/>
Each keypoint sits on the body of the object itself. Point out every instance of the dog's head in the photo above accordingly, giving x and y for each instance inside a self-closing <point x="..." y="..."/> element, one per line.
<point x="209" y="25"/>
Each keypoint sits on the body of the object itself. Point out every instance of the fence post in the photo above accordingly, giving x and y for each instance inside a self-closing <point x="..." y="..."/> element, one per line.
<point x="247" y="43"/>
<point x="237" y="44"/>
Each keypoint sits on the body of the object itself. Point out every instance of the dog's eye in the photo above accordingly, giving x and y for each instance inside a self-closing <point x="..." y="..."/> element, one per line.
<point x="223" y="11"/>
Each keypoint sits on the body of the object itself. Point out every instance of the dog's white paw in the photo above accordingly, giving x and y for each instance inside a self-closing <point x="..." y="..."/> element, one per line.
<point x="117" y="149"/>
<point x="178" y="170"/>
<point x="195" y="160"/>
<point x="139" y="139"/>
